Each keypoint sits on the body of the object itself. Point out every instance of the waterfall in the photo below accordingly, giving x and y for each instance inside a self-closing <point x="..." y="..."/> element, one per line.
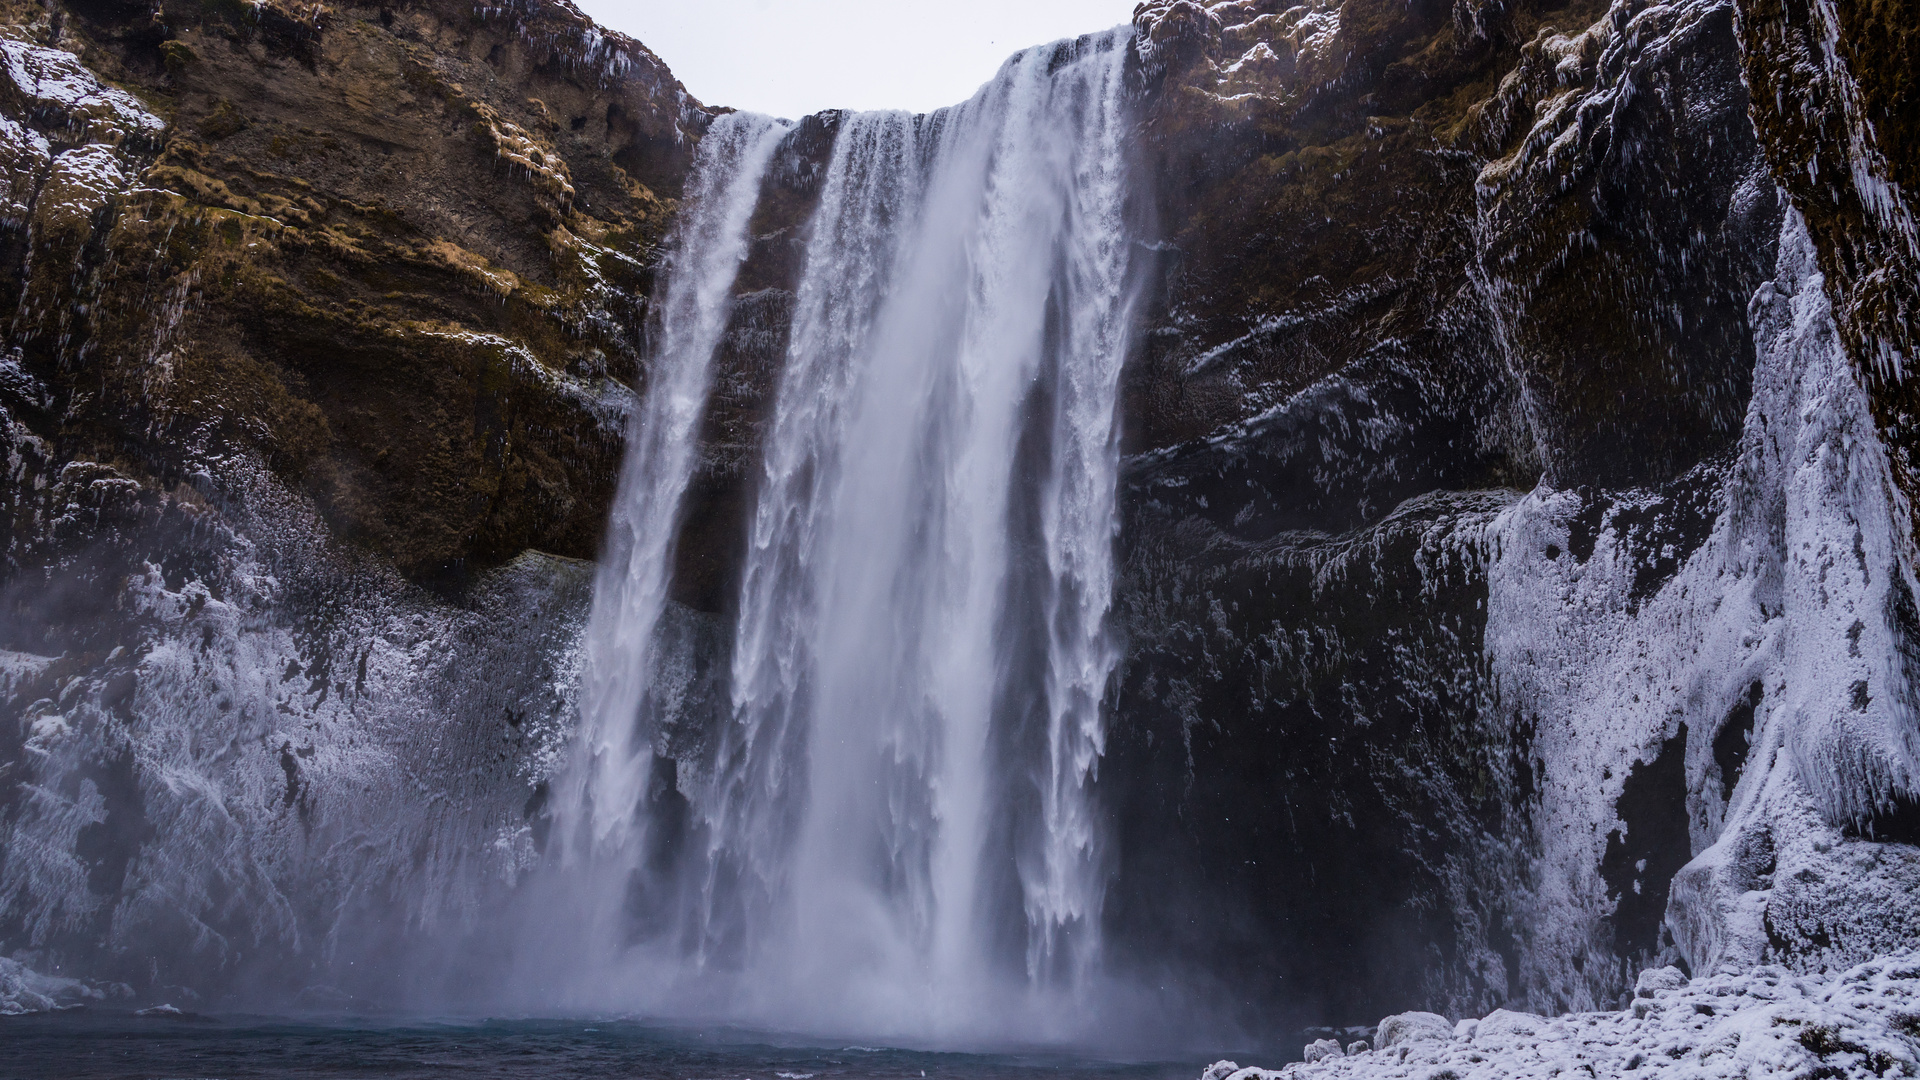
<point x="609" y="776"/>
<point x="892" y="829"/>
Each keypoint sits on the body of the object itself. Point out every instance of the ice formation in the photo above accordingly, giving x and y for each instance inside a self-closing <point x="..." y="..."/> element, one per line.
<point x="1754" y="679"/>
<point x="24" y="990"/>
<point x="286" y="781"/>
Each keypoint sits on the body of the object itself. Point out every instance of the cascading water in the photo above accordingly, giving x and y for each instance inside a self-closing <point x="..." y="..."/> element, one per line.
<point x="893" y="828"/>
<point x="608" y="777"/>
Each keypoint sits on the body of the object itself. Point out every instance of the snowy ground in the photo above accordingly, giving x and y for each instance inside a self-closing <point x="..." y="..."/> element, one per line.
<point x="1767" y="1022"/>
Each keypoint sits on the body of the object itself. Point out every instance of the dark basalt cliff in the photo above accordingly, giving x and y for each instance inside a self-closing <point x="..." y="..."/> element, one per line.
<point x="1422" y="259"/>
<point x="1420" y="253"/>
<point x="1479" y="357"/>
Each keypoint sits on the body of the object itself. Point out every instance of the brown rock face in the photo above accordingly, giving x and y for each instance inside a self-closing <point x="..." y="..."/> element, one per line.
<point x="402" y="253"/>
<point x="318" y="321"/>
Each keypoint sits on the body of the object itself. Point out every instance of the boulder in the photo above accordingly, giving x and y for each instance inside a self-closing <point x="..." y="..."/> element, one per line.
<point x="1322" y="1049"/>
<point x="1410" y="1027"/>
<point x="1654" y="980"/>
<point x="1501" y="1023"/>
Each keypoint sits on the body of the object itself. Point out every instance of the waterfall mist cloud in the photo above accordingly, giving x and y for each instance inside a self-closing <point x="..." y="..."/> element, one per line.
<point x="794" y="57"/>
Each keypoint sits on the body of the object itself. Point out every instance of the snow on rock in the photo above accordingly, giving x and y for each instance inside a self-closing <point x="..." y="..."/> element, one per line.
<point x="1762" y="1022"/>
<point x="24" y="990"/>
<point x="1654" y="980"/>
<point x="1728" y="681"/>
<point x="1254" y="45"/>
<point x="78" y="185"/>
<point x="53" y="87"/>
<point x="68" y="144"/>
<point x="24" y="157"/>
<point x="1411" y="1027"/>
<point x="608" y="401"/>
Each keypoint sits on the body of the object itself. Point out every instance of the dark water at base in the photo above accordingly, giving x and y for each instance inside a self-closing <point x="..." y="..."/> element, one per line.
<point x="94" y="1045"/>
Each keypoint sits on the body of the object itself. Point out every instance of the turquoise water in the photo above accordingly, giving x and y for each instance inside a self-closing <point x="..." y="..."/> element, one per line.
<point x="95" y="1045"/>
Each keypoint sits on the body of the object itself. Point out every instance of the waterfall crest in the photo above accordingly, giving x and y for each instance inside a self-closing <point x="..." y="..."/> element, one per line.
<point x="892" y="831"/>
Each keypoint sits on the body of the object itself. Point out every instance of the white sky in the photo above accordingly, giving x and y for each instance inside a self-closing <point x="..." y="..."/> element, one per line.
<point x="793" y="57"/>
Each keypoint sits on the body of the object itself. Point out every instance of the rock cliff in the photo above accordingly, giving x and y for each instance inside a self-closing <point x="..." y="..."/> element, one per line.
<point x="1516" y="554"/>
<point x="1422" y="260"/>
<point x="323" y="326"/>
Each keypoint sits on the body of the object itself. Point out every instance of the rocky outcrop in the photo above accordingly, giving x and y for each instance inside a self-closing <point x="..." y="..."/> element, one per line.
<point x="401" y="255"/>
<point x="323" y="327"/>
<point x="1838" y="109"/>
<point x="1417" y="262"/>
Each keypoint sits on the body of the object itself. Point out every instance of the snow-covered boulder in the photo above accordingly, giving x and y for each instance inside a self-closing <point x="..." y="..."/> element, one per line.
<point x="1762" y="1022"/>
<point x="1654" y="980"/>
<point x="1322" y="1049"/>
<point x="24" y="990"/>
<point x="1410" y="1027"/>
<point x="1506" y="1024"/>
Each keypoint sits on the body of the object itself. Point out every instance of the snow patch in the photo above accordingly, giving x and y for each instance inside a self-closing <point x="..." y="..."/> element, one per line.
<point x="57" y="88"/>
<point x="24" y="157"/>
<point x="1764" y="1021"/>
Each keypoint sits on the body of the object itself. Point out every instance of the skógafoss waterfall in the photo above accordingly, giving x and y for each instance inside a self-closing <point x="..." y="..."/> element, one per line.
<point x="893" y="821"/>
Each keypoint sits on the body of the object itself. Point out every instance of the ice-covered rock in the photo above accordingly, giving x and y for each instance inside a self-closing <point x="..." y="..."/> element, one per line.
<point x="1761" y="1022"/>
<point x="1321" y="1049"/>
<point x="1507" y="1024"/>
<point x="235" y="733"/>
<point x="1654" y="980"/>
<point x="24" y="990"/>
<point x="1721" y="691"/>
<point x="1408" y="1027"/>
